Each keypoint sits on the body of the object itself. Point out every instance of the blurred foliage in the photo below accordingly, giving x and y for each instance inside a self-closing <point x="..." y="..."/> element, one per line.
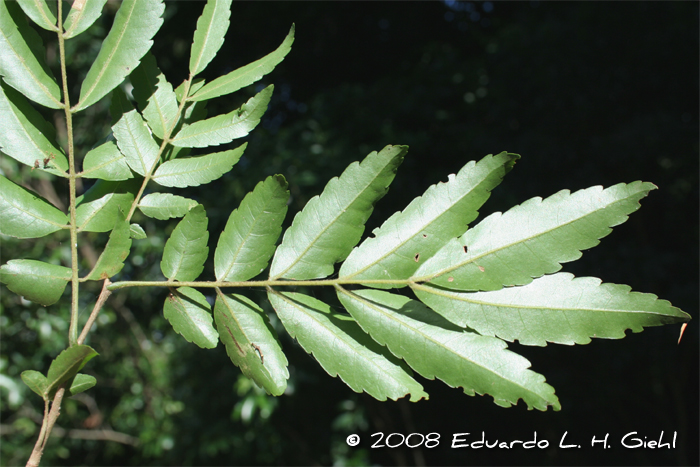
<point x="589" y="93"/>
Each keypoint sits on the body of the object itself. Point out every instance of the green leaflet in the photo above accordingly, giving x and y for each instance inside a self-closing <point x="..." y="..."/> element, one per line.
<point x="186" y="250"/>
<point x="136" y="232"/>
<point x="325" y="231"/>
<point x="195" y="171"/>
<point x="36" y="381"/>
<point x="36" y="281"/>
<point x="111" y="261"/>
<point x="556" y="308"/>
<point x="135" y="142"/>
<point x="98" y="208"/>
<point x="342" y="349"/>
<point x="248" y="241"/>
<point x="164" y="206"/>
<point x="189" y="313"/>
<point x="209" y="36"/>
<point x="24" y="214"/>
<point x="107" y="163"/>
<point x="26" y="136"/>
<point x="119" y="104"/>
<point x="155" y="96"/>
<point x="245" y="75"/>
<point x="407" y="239"/>
<point x="40" y="13"/>
<point x="136" y="22"/>
<point x="531" y="239"/>
<point x="81" y="383"/>
<point x="66" y="366"/>
<point x="22" y="62"/>
<point x="225" y="128"/>
<point x="251" y="342"/>
<point x="436" y="348"/>
<point x="81" y="16"/>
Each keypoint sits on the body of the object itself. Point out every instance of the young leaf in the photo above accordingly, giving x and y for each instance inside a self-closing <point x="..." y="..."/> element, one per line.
<point x="26" y="136"/>
<point x="40" y="13"/>
<point x="251" y="342"/>
<point x="164" y="206"/>
<point x="209" y="36"/>
<point x="342" y="349"/>
<point x="22" y="62"/>
<point x="435" y="347"/>
<point x="155" y="96"/>
<point x="81" y="383"/>
<point x="81" y="16"/>
<point x="195" y="171"/>
<point x="186" y="250"/>
<point x="531" y="239"/>
<point x="25" y="214"/>
<point x="36" y="381"/>
<point x="325" y="231"/>
<point x="190" y="315"/>
<point x="136" y="22"/>
<point x="107" y="163"/>
<point x="225" y="128"/>
<point x="248" y="241"/>
<point x="36" y="281"/>
<point x="555" y="308"/>
<point x="111" y="261"/>
<point x="66" y="366"/>
<point x="407" y="239"/>
<point x="136" y="232"/>
<point x="245" y="75"/>
<point x="135" y="142"/>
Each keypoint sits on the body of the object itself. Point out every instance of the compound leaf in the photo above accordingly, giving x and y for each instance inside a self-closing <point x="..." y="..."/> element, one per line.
<point x="325" y="231"/>
<point x="111" y="261"/>
<point x="407" y="239"/>
<point x="435" y="347"/>
<point x="343" y="349"/>
<point x="225" y="128"/>
<point x="81" y="383"/>
<point x="248" y="241"/>
<point x="81" y="16"/>
<point x="39" y="282"/>
<point x="189" y="313"/>
<point x="209" y="36"/>
<point x="135" y="24"/>
<point x="531" y="239"/>
<point x="245" y="75"/>
<point x="66" y="366"/>
<point x="186" y="250"/>
<point x="22" y="62"/>
<point x="135" y="142"/>
<point x="40" y="13"/>
<point x="25" y="214"/>
<point x="26" y="136"/>
<point x="36" y="381"/>
<point x="195" y="171"/>
<point x="556" y="308"/>
<point x="107" y="163"/>
<point x="155" y="96"/>
<point x="251" y="342"/>
<point x="164" y="206"/>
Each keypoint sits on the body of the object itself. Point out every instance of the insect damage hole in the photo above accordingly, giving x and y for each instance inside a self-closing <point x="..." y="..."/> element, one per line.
<point x="465" y="248"/>
<point x="417" y="257"/>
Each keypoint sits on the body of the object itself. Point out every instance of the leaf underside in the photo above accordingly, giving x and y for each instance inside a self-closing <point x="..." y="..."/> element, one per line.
<point x="189" y="313"/>
<point x="186" y="250"/>
<point x="24" y="214"/>
<point x="195" y="171"/>
<point x="39" y="282"/>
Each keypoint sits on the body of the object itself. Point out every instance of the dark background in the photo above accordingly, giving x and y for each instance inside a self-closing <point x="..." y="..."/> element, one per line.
<point x="592" y="93"/>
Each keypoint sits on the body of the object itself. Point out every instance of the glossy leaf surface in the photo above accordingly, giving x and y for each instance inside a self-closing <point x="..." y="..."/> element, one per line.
<point x="39" y="282"/>
<point x="25" y="214"/>
<point x="190" y="315"/>
<point x="81" y="16"/>
<point x="155" y="96"/>
<point x="111" y="260"/>
<point x="186" y="250"/>
<point x="164" y="206"/>
<point x="136" y="143"/>
<point x="137" y="232"/>
<point x="209" y="35"/>
<point x="195" y="171"/>
<point x="107" y="163"/>
<point x="81" y="383"/>
<point x="39" y="12"/>
<point x="66" y="366"/>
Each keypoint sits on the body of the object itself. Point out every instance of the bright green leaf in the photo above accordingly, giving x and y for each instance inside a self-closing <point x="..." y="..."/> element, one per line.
<point x="225" y="128"/>
<point x="25" y="214"/>
<point x="190" y="315"/>
<point x="22" y="54"/>
<point x="26" y="136"/>
<point x="155" y="96"/>
<point x="100" y="215"/>
<point x="136" y="143"/>
<point x="195" y="86"/>
<point x="531" y="239"/>
<point x="407" y="239"/>
<point x="81" y="16"/>
<point x="195" y="171"/>
<point x="209" y="36"/>
<point x="36" y="281"/>
<point x="66" y="366"/>
<point x="342" y="349"/>
<point x="245" y="75"/>
<point x="251" y="342"/>
<point x="331" y="224"/>
<point x="435" y="347"/>
<point x="111" y="261"/>
<point x="556" y="308"/>
<point x="248" y="241"/>
<point x="81" y="383"/>
<point x="164" y="206"/>
<point x="136" y="232"/>
<point x="186" y="250"/>
<point x="135" y="24"/>
<point x="36" y="381"/>
<point x="40" y="13"/>
<point x="107" y="163"/>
